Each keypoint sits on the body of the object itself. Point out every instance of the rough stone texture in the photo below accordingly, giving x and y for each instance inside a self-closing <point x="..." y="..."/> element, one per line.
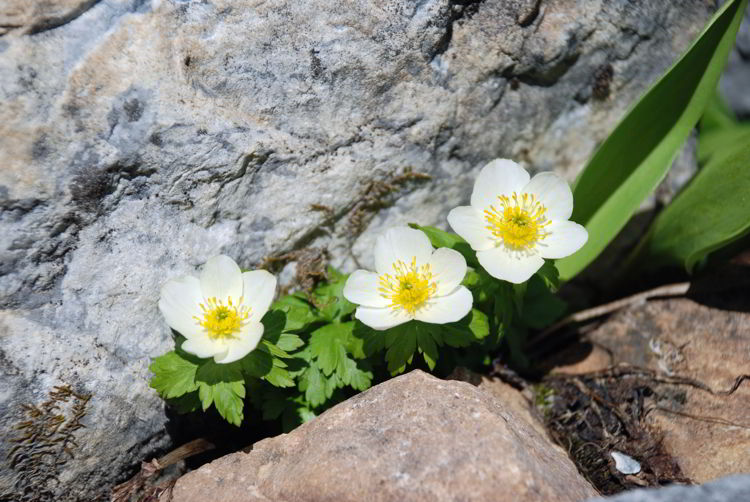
<point x="138" y="138"/>
<point x="735" y="82"/>
<point x="729" y="489"/>
<point x="709" y="435"/>
<point x="414" y="437"/>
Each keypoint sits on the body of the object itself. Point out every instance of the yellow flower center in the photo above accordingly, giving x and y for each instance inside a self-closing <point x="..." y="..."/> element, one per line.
<point x="518" y="221"/>
<point x="409" y="287"/>
<point x="222" y="321"/>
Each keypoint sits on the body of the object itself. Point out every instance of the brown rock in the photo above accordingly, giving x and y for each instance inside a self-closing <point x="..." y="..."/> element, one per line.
<point x="708" y="434"/>
<point x="414" y="437"/>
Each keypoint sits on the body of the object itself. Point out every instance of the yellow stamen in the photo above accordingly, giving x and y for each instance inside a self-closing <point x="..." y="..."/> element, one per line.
<point x="222" y="321"/>
<point x="409" y="287"/>
<point x="518" y="221"/>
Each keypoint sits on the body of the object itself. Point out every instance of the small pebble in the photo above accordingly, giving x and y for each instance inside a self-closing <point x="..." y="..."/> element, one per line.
<point x="625" y="464"/>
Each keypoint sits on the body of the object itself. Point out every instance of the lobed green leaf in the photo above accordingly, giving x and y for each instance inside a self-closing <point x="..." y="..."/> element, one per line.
<point x="174" y="375"/>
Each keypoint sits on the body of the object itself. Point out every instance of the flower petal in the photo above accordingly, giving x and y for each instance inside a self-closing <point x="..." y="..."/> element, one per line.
<point x="381" y="319"/>
<point x="221" y="278"/>
<point x="554" y="193"/>
<point x="259" y="287"/>
<point x="179" y="302"/>
<point x="510" y="266"/>
<point x="564" y="239"/>
<point x="469" y="223"/>
<point x="203" y="346"/>
<point x="246" y="342"/>
<point x="448" y="268"/>
<point x="401" y="243"/>
<point x="362" y="288"/>
<point x="499" y="177"/>
<point x="450" y="308"/>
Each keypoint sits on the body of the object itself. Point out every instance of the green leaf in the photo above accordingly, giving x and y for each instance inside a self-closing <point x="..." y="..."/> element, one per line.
<point x="401" y="342"/>
<point x="299" y="313"/>
<point x="471" y="329"/>
<point x="329" y="297"/>
<point x="313" y="385"/>
<point x="427" y="345"/>
<point x="442" y="239"/>
<point x="541" y="306"/>
<point x="327" y="344"/>
<point x="636" y="156"/>
<point x="227" y="397"/>
<point x="174" y="375"/>
<point x="712" y="211"/>
<point x="722" y="141"/>
<point x="472" y="279"/>
<point x="257" y="363"/>
<point x="716" y="115"/>
<point x="504" y="304"/>
<point x="186" y="403"/>
<point x="479" y="325"/>
<point x="356" y="374"/>
<point x="272" y="349"/>
<point x="373" y="341"/>
<point x="224" y="386"/>
<point x="549" y="274"/>
<point x="274" y="323"/>
<point x="289" y="342"/>
<point x="210" y="373"/>
<point x="279" y="377"/>
<point x="306" y="414"/>
<point x="519" y="291"/>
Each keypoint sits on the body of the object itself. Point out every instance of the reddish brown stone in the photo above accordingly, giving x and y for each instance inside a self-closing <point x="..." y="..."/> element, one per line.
<point x="414" y="437"/>
<point x="708" y="434"/>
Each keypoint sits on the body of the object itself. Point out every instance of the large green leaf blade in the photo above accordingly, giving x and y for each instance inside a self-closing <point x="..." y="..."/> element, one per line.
<point x="636" y="156"/>
<point x="712" y="211"/>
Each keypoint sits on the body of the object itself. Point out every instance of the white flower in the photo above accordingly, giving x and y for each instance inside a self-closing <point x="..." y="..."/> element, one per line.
<point x="219" y="313"/>
<point x="513" y="223"/>
<point x="413" y="281"/>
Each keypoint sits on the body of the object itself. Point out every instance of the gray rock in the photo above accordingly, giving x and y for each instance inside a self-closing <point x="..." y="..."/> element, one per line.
<point x="139" y="138"/>
<point x="730" y="489"/>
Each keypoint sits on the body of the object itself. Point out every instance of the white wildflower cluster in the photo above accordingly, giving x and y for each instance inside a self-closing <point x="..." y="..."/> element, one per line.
<point x="513" y="223"/>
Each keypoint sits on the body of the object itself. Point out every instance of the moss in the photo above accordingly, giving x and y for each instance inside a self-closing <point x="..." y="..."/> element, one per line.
<point x="543" y="398"/>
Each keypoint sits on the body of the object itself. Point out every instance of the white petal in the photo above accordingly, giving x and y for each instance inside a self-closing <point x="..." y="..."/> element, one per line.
<point x="179" y="302"/>
<point x="221" y="278"/>
<point x="564" y="239"/>
<point x="246" y="342"/>
<point x="401" y="243"/>
<point x="259" y="287"/>
<point x="448" y="269"/>
<point x="203" y="346"/>
<point x="554" y="193"/>
<point x="469" y="223"/>
<point x="499" y="177"/>
<point x="362" y="288"/>
<point x="381" y="318"/>
<point x="450" y="308"/>
<point x="508" y="265"/>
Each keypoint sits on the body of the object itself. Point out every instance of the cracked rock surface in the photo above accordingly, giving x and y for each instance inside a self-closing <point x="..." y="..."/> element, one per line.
<point x="138" y="138"/>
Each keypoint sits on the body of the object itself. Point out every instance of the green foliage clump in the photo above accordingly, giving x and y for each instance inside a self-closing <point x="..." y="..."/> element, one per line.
<point x="314" y="353"/>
